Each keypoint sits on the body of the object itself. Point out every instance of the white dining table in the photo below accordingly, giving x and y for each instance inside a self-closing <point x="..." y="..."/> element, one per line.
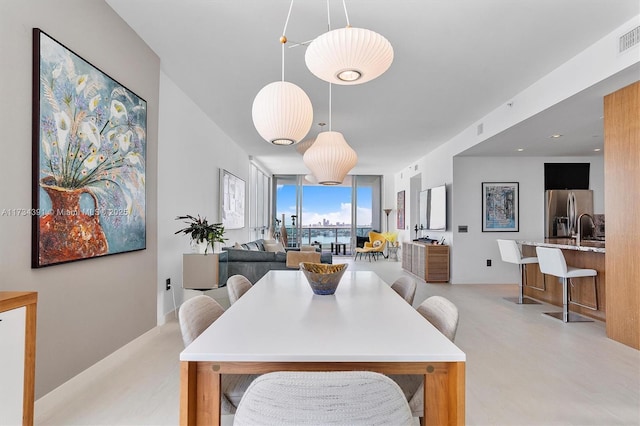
<point x="280" y="325"/>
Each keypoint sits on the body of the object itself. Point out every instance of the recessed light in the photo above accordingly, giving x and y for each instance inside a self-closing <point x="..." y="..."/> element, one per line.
<point x="556" y="136"/>
<point x="597" y="149"/>
<point x="520" y="149"/>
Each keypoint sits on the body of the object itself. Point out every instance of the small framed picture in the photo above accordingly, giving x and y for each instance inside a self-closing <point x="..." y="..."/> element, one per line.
<point x="232" y="191"/>
<point x="500" y="207"/>
<point x="400" y="209"/>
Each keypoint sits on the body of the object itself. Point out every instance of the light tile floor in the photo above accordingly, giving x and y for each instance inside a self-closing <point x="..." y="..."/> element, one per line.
<point x="522" y="368"/>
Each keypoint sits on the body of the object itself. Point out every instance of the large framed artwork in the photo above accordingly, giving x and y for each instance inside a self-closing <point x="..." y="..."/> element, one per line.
<point x="232" y="190"/>
<point x="500" y="207"/>
<point x="400" y="210"/>
<point x="89" y="150"/>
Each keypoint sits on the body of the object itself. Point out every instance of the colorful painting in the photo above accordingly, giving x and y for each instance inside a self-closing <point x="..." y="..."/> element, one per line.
<point x="232" y="192"/>
<point x="400" y="209"/>
<point x="89" y="150"/>
<point x="500" y="207"/>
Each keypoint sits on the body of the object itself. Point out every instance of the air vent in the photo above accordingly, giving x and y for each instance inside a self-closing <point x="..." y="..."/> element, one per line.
<point x="630" y="39"/>
<point x="480" y="128"/>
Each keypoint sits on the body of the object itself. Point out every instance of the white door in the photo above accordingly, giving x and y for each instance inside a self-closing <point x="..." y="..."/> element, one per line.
<point x="12" y="340"/>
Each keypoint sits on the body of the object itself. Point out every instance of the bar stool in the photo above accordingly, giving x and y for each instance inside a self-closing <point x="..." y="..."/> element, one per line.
<point x="510" y="253"/>
<point x="552" y="262"/>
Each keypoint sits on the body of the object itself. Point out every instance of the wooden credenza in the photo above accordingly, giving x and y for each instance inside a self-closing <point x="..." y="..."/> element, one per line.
<point x="430" y="262"/>
<point x="17" y="356"/>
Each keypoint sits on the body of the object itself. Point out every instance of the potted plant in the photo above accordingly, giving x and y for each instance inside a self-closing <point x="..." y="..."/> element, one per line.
<point x="201" y="231"/>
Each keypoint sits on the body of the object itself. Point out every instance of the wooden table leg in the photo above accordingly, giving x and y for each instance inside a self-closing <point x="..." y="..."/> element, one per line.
<point x="444" y="394"/>
<point x="200" y="388"/>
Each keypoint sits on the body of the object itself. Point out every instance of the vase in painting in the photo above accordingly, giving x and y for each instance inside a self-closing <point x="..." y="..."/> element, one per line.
<point x="66" y="232"/>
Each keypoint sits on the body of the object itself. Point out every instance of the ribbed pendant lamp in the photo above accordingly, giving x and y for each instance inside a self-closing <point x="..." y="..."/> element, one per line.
<point x="349" y="56"/>
<point x="330" y="158"/>
<point x="282" y="112"/>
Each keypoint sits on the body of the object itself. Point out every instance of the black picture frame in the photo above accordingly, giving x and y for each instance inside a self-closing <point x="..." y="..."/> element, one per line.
<point x="89" y="141"/>
<point x="500" y="207"/>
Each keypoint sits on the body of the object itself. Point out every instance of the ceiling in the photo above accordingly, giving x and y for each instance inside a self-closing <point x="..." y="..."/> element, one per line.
<point x="454" y="61"/>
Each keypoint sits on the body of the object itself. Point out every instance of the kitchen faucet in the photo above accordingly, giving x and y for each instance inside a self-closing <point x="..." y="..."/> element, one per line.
<point x="579" y="226"/>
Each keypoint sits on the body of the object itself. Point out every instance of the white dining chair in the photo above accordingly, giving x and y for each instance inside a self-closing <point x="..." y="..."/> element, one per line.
<point x="510" y="253"/>
<point x="348" y="398"/>
<point x="196" y="315"/>
<point x="443" y="315"/>
<point x="237" y="285"/>
<point x="552" y="262"/>
<point x="406" y="288"/>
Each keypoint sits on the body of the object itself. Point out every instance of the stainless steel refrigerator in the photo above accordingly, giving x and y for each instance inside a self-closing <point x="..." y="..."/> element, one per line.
<point x="562" y="209"/>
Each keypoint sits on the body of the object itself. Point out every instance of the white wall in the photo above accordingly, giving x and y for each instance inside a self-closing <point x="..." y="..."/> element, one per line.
<point x="192" y="149"/>
<point x="475" y="247"/>
<point x="591" y="66"/>
<point x="86" y="309"/>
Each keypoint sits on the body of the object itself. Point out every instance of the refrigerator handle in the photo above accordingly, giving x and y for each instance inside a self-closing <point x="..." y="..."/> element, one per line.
<point x="571" y="213"/>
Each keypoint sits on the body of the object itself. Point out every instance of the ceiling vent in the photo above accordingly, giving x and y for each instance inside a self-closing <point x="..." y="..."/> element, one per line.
<point x="630" y="39"/>
<point x="480" y="129"/>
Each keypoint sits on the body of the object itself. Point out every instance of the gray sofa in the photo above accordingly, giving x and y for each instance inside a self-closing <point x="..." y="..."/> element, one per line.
<point x="254" y="262"/>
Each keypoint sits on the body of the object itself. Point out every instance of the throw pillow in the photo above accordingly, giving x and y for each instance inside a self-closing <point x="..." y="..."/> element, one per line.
<point x="377" y="243"/>
<point x="275" y="247"/>
<point x="238" y="246"/>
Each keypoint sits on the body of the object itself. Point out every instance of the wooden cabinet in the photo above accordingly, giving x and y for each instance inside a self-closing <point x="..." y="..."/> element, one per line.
<point x="200" y="271"/>
<point x="428" y="261"/>
<point x="621" y="204"/>
<point x="17" y="356"/>
<point x="407" y="256"/>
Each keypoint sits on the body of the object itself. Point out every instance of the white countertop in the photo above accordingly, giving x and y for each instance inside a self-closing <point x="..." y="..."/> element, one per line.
<point x="280" y="319"/>
<point x="568" y="244"/>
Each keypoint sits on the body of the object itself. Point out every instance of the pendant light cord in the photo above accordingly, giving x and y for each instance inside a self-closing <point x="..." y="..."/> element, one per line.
<point x="329" y="29"/>
<point x="346" y="14"/>
<point x="283" y="39"/>
<point x="330" y="106"/>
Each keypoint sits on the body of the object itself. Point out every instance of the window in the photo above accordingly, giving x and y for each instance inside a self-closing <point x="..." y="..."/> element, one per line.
<point x="321" y="215"/>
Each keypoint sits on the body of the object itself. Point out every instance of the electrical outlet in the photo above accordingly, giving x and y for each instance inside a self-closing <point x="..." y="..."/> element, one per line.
<point x="488" y="262"/>
<point x="168" y="284"/>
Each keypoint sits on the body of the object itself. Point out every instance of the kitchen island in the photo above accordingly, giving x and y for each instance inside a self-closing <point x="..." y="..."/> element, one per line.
<point x="589" y="254"/>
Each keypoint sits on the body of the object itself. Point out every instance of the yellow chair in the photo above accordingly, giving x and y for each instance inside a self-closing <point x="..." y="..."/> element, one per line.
<point x="374" y="247"/>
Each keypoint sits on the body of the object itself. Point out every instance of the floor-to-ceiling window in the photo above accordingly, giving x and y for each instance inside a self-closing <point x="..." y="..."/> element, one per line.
<point x="321" y="215"/>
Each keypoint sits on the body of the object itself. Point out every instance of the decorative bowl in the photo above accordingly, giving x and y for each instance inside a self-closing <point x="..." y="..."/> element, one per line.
<point x="323" y="278"/>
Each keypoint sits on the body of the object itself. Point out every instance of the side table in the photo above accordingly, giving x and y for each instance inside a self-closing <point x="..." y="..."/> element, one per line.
<point x="392" y="253"/>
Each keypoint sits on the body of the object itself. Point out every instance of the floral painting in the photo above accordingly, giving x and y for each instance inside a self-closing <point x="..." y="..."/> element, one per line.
<point x="89" y="145"/>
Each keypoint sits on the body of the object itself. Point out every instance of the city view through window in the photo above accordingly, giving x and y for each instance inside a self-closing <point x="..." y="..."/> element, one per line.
<point x="326" y="213"/>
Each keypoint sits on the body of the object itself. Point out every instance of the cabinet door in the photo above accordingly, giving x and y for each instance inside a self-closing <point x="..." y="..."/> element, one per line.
<point x="406" y="256"/>
<point x="12" y="341"/>
<point x="437" y="264"/>
<point x="418" y="264"/>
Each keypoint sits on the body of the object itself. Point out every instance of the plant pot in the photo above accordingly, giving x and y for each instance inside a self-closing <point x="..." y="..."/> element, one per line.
<point x="200" y="247"/>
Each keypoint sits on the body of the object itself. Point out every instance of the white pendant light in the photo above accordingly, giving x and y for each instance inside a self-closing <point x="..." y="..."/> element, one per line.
<point x="330" y="158"/>
<point x="349" y="56"/>
<point x="303" y="146"/>
<point x="282" y="113"/>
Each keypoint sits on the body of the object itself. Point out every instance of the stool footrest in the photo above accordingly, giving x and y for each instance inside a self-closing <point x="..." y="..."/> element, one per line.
<point x="525" y="301"/>
<point x="573" y="317"/>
